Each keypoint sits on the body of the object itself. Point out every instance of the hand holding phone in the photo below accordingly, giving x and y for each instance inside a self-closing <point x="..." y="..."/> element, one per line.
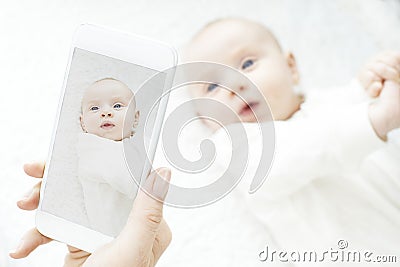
<point x="139" y="223"/>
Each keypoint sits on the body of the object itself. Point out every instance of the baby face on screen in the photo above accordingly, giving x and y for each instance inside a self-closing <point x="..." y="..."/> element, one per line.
<point x="109" y="110"/>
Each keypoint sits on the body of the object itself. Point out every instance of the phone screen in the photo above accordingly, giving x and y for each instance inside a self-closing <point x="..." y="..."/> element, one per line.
<point x="107" y="105"/>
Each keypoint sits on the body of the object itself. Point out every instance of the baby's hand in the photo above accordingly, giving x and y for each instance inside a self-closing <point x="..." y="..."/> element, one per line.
<point x="383" y="67"/>
<point x="384" y="114"/>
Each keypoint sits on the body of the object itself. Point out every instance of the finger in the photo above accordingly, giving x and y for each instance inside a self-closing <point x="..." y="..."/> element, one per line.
<point x="75" y="257"/>
<point x="385" y="71"/>
<point x="391" y="55"/>
<point x="146" y="215"/>
<point x="31" y="200"/>
<point x="147" y="208"/>
<point x="392" y="63"/>
<point x="367" y="77"/>
<point x="375" y="88"/>
<point x="162" y="240"/>
<point x="29" y="242"/>
<point x="392" y="59"/>
<point x="396" y="56"/>
<point x="35" y="169"/>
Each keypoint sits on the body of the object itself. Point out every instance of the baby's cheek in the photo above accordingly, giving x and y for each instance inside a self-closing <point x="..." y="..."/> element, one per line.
<point x="92" y="120"/>
<point x="123" y="120"/>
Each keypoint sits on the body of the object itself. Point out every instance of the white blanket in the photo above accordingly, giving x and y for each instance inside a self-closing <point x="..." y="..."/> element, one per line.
<point x="108" y="187"/>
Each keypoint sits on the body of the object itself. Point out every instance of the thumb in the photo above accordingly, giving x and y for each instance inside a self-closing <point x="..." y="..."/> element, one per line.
<point x="146" y="215"/>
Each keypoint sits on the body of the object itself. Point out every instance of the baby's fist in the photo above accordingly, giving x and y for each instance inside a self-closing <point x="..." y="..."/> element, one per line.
<point x="385" y="112"/>
<point x="383" y="67"/>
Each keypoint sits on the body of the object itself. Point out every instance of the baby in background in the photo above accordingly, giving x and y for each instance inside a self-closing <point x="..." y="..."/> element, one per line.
<point x="253" y="49"/>
<point x="108" y="116"/>
<point x="311" y="197"/>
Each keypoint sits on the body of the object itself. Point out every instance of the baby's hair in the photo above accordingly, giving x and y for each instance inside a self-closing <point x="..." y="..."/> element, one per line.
<point x="219" y="20"/>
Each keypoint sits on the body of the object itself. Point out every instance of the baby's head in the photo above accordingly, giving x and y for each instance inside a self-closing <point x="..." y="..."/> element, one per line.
<point x="109" y="110"/>
<point x="252" y="49"/>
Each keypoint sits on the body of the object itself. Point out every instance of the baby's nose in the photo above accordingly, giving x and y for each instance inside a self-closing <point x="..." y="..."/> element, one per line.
<point x="108" y="114"/>
<point x="239" y="90"/>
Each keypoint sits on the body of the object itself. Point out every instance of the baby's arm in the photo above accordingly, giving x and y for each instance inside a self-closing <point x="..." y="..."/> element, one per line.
<point x="341" y="142"/>
<point x="383" y="67"/>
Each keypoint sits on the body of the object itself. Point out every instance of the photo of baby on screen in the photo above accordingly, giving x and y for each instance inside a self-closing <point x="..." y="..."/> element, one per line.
<point x="99" y="154"/>
<point x="105" y="107"/>
<point x="108" y="116"/>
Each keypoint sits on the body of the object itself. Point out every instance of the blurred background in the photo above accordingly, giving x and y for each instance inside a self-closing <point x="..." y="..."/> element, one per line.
<point x="331" y="40"/>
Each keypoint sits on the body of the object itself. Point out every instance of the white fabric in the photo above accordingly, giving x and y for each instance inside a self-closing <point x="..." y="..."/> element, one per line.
<point x="332" y="178"/>
<point x="107" y="185"/>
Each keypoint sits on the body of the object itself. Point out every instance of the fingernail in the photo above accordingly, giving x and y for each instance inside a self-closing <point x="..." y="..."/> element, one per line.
<point x="15" y="250"/>
<point x="31" y="162"/>
<point x="376" y="85"/>
<point x="161" y="185"/>
<point x="26" y="196"/>
<point x="165" y="173"/>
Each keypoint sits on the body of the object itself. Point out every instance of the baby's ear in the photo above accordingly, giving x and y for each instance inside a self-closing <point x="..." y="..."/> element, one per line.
<point x="136" y="121"/>
<point x="82" y="124"/>
<point x="291" y="61"/>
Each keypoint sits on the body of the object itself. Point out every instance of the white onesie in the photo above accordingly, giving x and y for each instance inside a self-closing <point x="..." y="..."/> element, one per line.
<point x="321" y="187"/>
<point x="108" y="188"/>
<point x="332" y="178"/>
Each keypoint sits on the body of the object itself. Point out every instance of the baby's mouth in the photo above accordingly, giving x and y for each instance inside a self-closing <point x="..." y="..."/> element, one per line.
<point x="107" y="125"/>
<point x="248" y="108"/>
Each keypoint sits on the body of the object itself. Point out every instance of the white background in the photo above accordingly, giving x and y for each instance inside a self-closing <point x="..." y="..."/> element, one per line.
<point x="331" y="40"/>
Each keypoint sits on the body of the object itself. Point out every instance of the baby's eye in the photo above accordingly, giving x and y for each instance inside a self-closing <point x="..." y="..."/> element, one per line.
<point x="94" y="108"/>
<point x="247" y="64"/>
<point x="212" y="87"/>
<point x="117" y="105"/>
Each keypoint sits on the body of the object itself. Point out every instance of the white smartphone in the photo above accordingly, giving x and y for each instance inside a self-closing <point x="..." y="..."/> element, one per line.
<point x="108" y="122"/>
